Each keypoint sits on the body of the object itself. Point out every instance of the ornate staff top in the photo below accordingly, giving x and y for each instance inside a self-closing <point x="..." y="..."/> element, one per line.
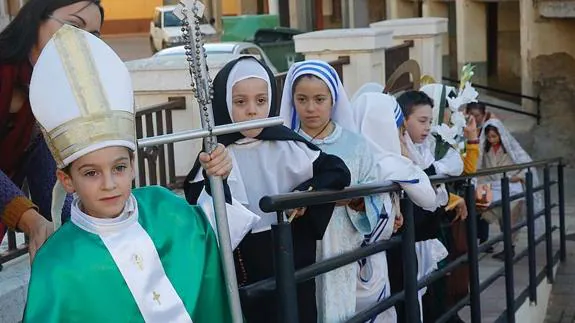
<point x="190" y="12"/>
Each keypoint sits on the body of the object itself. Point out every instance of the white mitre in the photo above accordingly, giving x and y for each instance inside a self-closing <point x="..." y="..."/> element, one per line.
<point x="81" y="94"/>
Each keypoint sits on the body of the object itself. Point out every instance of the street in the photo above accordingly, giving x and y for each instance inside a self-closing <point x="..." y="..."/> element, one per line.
<point x="130" y="47"/>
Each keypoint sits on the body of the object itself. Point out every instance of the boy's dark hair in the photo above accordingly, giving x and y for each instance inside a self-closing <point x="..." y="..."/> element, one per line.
<point x="68" y="168"/>
<point x="479" y="106"/>
<point x="410" y="99"/>
<point x="487" y="144"/>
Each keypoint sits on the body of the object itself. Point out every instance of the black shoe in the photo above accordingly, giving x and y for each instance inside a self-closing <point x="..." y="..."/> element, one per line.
<point x="501" y="255"/>
<point x="489" y="250"/>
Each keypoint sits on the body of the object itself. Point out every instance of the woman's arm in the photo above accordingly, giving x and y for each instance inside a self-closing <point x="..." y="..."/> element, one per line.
<point x="13" y="202"/>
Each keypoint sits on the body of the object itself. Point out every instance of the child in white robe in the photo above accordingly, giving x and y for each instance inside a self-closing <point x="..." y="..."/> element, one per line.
<point x="418" y="111"/>
<point x="379" y="117"/>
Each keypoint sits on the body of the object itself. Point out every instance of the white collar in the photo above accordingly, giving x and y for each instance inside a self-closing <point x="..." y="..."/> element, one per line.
<point x="98" y="226"/>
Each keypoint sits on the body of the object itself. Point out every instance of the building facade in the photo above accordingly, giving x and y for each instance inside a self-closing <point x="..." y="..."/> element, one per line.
<point x="525" y="46"/>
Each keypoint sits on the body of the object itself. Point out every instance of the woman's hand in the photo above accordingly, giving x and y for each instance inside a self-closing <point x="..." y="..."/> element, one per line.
<point x="217" y="163"/>
<point x="37" y="228"/>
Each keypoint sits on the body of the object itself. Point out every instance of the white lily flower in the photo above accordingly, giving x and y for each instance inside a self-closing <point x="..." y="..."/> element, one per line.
<point x="458" y="120"/>
<point x="467" y="95"/>
<point x="448" y="134"/>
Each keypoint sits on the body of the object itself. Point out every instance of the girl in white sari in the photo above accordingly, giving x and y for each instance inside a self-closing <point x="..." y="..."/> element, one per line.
<point x="378" y="116"/>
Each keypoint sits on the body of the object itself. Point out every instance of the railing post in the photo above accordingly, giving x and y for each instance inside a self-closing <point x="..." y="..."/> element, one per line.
<point x="285" y="271"/>
<point x="531" y="237"/>
<point x="508" y="249"/>
<point x="410" y="266"/>
<point x="548" y="232"/>
<point x="472" y="254"/>
<point x="561" y="193"/>
<point x="11" y="240"/>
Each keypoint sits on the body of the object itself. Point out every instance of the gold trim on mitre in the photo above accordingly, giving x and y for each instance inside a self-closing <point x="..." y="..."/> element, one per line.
<point x="80" y="133"/>
<point x="97" y="122"/>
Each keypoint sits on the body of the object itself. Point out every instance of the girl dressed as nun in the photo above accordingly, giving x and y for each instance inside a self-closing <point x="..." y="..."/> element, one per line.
<point x="266" y="162"/>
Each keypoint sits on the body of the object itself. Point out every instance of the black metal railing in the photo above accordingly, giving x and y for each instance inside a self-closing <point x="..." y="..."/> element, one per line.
<point x="537" y="99"/>
<point x="14" y="250"/>
<point x="286" y="277"/>
<point x="157" y="165"/>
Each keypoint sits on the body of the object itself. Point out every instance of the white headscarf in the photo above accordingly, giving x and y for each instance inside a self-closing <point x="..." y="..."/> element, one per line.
<point x="341" y="111"/>
<point x="512" y="147"/>
<point x="518" y="155"/>
<point x="368" y="88"/>
<point x="379" y="118"/>
<point x="248" y="68"/>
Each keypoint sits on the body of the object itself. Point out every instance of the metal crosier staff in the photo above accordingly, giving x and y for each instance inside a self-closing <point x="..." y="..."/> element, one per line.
<point x="202" y="133"/>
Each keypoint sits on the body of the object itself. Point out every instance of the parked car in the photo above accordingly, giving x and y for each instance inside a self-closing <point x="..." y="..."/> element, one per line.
<point x="166" y="29"/>
<point x="231" y="49"/>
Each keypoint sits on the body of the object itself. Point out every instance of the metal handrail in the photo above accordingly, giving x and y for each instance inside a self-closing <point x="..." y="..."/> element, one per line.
<point x="487" y="88"/>
<point x="293" y="200"/>
<point x="285" y="278"/>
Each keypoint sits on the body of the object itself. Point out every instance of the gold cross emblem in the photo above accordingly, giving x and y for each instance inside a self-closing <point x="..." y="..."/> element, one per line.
<point x="137" y="259"/>
<point x="157" y="298"/>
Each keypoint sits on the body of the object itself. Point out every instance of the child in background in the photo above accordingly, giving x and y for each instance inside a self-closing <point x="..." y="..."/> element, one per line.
<point x="496" y="153"/>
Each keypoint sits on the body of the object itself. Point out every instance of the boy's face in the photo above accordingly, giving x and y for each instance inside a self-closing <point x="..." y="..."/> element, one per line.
<point x="419" y="123"/>
<point x="102" y="179"/>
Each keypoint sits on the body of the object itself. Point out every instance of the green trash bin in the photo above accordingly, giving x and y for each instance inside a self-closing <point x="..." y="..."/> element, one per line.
<point x="279" y="46"/>
<point x="240" y="28"/>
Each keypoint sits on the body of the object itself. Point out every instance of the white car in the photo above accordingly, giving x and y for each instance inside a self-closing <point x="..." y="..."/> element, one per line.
<point x="166" y="29"/>
<point x="230" y="49"/>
